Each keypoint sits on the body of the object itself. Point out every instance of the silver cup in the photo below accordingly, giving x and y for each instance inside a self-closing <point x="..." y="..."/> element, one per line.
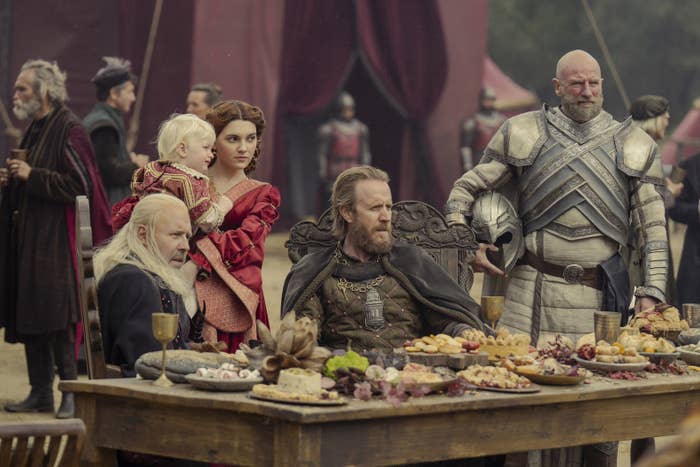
<point x="606" y="325"/>
<point x="691" y="313"/>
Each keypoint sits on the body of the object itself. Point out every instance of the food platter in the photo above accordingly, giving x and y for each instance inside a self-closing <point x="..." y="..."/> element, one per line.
<point x="691" y="336"/>
<point x="671" y="334"/>
<point x="657" y="357"/>
<point x="457" y="361"/>
<point x="554" y="380"/>
<point x="440" y="385"/>
<point x="317" y="402"/>
<point x="690" y="357"/>
<point x="224" y="385"/>
<point x="530" y="389"/>
<point x="600" y="366"/>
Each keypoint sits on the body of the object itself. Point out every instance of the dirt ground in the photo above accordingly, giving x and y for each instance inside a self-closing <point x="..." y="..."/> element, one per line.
<point x="13" y="370"/>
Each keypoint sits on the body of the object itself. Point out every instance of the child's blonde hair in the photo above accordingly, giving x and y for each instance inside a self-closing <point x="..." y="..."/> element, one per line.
<point x="182" y="128"/>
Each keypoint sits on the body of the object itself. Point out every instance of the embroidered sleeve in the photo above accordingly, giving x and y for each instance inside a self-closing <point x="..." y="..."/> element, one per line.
<point x="195" y="193"/>
<point x="245" y="245"/>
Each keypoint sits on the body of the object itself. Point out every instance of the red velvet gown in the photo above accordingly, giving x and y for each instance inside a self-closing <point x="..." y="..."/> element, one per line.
<point x="233" y="257"/>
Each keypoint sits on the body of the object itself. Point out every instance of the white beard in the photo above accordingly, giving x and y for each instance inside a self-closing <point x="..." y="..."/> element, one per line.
<point x="25" y="110"/>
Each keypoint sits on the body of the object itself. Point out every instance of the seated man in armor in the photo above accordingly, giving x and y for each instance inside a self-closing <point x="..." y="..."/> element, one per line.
<point x="138" y="274"/>
<point x="369" y="291"/>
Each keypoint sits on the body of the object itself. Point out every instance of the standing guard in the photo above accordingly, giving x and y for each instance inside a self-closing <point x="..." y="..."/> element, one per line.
<point x="343" y="142"/>
<point x="477" y="131"/>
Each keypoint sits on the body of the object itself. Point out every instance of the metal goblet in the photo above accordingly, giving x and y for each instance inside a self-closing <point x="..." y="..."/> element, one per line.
<point x="691" y="313"/>
<point x="164" y="330"/>
<point x="492" y="309"/>
<point x="20" y="154"/>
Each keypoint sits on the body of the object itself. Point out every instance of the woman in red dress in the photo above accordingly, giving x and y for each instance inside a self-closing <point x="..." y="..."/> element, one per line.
<point x="229" y="285"/>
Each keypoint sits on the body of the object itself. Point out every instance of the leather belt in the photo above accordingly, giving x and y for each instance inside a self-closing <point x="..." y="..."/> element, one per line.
<point x="571" y="273"/>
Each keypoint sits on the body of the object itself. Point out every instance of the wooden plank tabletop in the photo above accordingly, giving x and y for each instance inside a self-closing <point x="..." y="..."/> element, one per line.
<point x="184" y="394"/>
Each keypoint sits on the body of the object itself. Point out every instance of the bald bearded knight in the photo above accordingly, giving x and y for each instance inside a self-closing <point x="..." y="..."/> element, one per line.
<point x="581" y="181"/>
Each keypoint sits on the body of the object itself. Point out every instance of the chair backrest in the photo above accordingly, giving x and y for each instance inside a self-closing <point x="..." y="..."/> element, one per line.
<point x="87" y="293"/>
<point x="35" y="444"/>
<point x="415" y="222"/>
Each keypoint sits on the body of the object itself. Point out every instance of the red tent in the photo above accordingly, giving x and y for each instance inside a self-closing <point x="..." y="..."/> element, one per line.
<point x="510" y="96"/>
<point x="685" y="140"/>
<point x="413" y="65"/>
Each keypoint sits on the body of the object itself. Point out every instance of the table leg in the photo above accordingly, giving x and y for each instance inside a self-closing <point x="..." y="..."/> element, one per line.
<point x="93" y="455"/>
<point x="297" y="445"/>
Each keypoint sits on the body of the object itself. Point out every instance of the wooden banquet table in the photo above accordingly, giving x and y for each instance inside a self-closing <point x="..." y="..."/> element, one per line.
<point x="184" y="422"/>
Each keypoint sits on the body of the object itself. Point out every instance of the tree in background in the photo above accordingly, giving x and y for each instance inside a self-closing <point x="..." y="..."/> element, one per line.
<point x="653" y="44"/>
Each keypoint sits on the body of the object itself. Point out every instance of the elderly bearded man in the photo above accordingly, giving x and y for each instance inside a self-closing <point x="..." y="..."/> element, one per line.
<point x="368" y="290"/>
<point x="39" y="298"/>
<point x="138" y="274"/>
<point x="583" y="181"/>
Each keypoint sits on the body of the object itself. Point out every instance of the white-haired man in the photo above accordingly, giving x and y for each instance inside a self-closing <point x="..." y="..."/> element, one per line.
<point x="138" y="274"/>
<point x="115" y="86"/>
<point x="38" y="292"/>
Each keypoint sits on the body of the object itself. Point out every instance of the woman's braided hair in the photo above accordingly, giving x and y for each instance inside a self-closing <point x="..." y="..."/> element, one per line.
<point x="227" y="111"/>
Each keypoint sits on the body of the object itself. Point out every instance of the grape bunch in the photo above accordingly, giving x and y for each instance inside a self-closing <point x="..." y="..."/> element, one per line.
<point x="346" y="379"/>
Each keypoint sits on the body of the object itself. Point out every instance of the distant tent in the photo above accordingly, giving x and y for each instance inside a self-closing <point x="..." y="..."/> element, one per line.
<point x="413" y="66"/>
<point x="510" y="96"/>
<point x="685" y="140"/>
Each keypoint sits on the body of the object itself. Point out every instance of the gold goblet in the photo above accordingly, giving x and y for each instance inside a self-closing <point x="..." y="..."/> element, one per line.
<point x="492" y="309"/>
<point x="164" y="330"/>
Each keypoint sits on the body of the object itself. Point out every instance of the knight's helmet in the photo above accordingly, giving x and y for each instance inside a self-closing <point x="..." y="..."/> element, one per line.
<point x="495" y="221"/>
<point x="344" y="101"/>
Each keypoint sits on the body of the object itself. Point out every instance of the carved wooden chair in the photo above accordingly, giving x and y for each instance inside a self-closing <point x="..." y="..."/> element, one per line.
<point x="87" y="294"/>
<point x="415" y="222"/>
<point x="39" y="443"/>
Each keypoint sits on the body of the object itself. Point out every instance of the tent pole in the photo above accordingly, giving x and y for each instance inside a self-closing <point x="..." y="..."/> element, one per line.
<point x="606" y="53"/>
<point x="133" y="134"/>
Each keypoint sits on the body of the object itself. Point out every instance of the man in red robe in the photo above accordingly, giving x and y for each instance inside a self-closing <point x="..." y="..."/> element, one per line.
<point x="39" y="303"/>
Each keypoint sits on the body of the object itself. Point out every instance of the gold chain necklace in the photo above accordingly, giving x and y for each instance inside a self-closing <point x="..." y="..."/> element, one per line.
<point x="359" y="287"/>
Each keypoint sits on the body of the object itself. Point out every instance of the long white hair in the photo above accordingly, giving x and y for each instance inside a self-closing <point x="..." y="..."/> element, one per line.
<point x="126" y="247"/>
<point x="49" y="80"/>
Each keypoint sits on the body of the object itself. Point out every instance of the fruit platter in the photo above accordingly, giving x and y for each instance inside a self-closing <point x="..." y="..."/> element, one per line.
<point x="661" y="321"/>
<point x="503" y="344"/>
<point x="690" y="353"/>
<point x="443" y="350"/>
<point x="228" y="377"/>
<point x="499" y="379"/>
<point x="610" y="357"/>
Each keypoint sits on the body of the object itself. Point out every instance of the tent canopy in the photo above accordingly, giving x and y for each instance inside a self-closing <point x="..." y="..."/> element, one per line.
<point x="685" y="140"/>
<point x="245" y="47"/>
<point x="510" y="95"/>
